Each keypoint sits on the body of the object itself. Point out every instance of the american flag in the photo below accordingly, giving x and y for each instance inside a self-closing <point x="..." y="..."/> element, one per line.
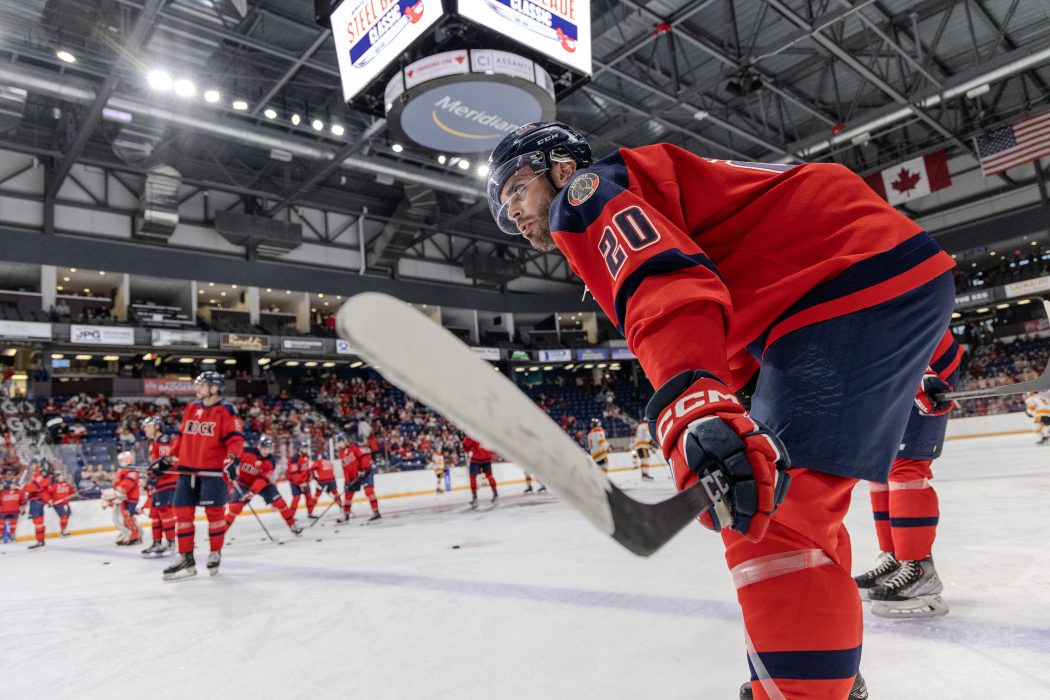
<point x="1014" y="145"/>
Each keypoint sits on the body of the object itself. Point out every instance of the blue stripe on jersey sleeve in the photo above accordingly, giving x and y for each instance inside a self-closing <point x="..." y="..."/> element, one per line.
<point x="248" y="450"/>
<point x="668" y="261"/>
<point x="227" y="436"/>
<point x="612" y="180"/>
<point x="941" y="363"/>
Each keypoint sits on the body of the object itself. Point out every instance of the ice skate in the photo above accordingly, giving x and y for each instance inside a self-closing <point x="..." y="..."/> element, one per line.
<point x="646" y="477"/>
<point x="913" y="591"/>
<point x="528" y="489"/>
<point x="543" y="489"/>
<point x="495" y="499"/>
<point x="183" y="568"/>
<point x="884" y="567"/>
<point x="474" y="502"/>
<point x="375" y="516"/>
<point x="172" y="548"/>
<point x="214" y="559"/>
<point x="1044" y="440"/>
<point x="345" y="517"/>
<point x="154" y="549"/>
<point x="64" y="533"/>
<point x="295" y="529"/>
<point x="859" y="691"/>
<point x="36" y="545"/>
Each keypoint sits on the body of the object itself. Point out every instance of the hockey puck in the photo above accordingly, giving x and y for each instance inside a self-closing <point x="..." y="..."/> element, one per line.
<point x="455" y="546"/>
<point x="262" y="539"/>
<point x="105" y="563"/>
<point x="318" y="539"/>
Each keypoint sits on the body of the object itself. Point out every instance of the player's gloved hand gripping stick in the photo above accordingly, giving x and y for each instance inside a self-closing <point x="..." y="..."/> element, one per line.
<point x="431" y="364"/>
<point x="706" y="434"/>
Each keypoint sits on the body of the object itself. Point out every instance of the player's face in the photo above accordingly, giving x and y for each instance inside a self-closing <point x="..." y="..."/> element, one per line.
<point x="266" y="451"/>
<point x="202" y="390"/>
<point x="151" y="431"/>
<point x="528" y="198"/>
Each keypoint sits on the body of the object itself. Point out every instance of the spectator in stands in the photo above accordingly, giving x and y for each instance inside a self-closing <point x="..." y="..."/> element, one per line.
<point x="62" y="309"/>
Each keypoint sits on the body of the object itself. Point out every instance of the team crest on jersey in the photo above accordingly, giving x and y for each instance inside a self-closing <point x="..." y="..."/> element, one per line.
<point x="582" y="188"/>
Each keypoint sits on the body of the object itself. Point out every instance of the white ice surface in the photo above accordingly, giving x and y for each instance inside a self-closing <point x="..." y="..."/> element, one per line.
<point x="534" y="603"/>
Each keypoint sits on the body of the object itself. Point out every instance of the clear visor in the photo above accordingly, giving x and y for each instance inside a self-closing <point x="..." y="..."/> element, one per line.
<point x="497" y="204"/>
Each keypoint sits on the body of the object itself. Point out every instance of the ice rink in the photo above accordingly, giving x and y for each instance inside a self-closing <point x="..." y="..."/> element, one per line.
<point x="523" y="601"/>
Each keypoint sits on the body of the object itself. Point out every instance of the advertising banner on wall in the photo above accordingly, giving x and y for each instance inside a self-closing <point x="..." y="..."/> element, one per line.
<point x="560" y="29"/>
<point x="158" y="387"/>
<point x="240" y="341"/>
<point x="302" y="345"/>
<point x="555" y="355"/>
<point x="622" y="354"/>
<point x="25" y="329"/>
<point x="182" y="339"/>
<point x="370" y="34"/>
<point x="490" y="354"/>
<point x="101" y="335"/>
<point x="343" y="348"/>
<point x="592" y="354"/>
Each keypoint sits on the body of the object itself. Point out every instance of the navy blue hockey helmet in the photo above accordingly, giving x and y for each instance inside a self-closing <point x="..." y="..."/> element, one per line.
<point x="211" y="378"/>
<point x="155" y="421"/>
<point x="265" y="442"/>
<point x="304" y="445"/>
<point x="537" y="146"/>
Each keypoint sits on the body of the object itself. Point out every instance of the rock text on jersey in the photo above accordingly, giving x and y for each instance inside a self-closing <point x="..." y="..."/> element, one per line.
<point x="195" y="427"/>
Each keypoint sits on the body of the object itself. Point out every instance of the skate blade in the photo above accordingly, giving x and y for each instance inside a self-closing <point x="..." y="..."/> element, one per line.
<point x="179" y="575"/>
<point x="914" y="609"/>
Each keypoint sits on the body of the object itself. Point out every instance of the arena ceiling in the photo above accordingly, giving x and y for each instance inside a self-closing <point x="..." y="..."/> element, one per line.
<point x="868" y="83"/>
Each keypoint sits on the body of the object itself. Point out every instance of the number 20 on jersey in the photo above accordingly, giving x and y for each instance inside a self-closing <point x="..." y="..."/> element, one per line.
<point x="630" y="227"/>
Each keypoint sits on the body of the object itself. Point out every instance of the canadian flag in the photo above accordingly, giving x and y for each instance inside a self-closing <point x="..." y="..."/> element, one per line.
<point x="912" y="179"/>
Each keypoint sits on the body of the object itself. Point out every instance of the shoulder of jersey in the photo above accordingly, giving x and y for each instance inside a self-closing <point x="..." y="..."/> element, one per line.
<point x="252" y="451"/>
<point x="229" y="408"/>
<point x="582" y="201"/>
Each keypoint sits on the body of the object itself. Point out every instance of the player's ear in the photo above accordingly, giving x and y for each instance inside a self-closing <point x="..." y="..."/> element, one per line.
<point x="562" y="172"/>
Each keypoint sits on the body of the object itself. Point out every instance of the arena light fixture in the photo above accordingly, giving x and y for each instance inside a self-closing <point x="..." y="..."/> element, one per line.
<point x="1002" y="306"/>
<point x="569" y="366"/>
<point x="83" y="358"/>
<point x="397" y="148"/>
<point x="269" y="289"/>
<point x="65" y="56"/>
<point x="601" y="365"/>
<point x="311" y="363"/>
<point x="296" y="119"/>
<point x="72" y="269"/>
<point x="534" y="369"/>
<point x="483" y="171"/>
<point x="65" y="279"/>
<point x="111" y="358"/>
<point x="338" y="129"/>
<point x="59" y="288"/>
<point x="287" y="291"/>
<point x="1022" y="302"/>
<point x="87" y="290"/>
<point x="234" y="286"/>
<point x="212" y="96"/>
<point x="229" y="361"/>
<point x="240" y="105"/>
<point x="355" y="365"/>
<point x="270" y="113"/>
<point x="159" y="80"/>
<point x="519" y="369"/>
<point x="317" y="124"/>
<point x="200" y="291"/>
<point x="588" y="366"/>
<point x="185" y="360"/>
<point x="208" y="361"/>
<point x="264" y="361"/>
<point x="148" y="356"/>
<point x="464" y="164"/>
<point x="442" y="159"/>
<point x="548" y="368"/>
<point x="983" y="310"/>
<point x="320" y="296"/>
<point x="292" y="363"/>
<point x="10" y="352"/>
<point x="57" y="356"/>
<point x="328" y="364"/>
<point x="956" y="314"/>
<point x="184" y="87"/>
<point x="222" y="294"/>
<point x="102" y="273"/>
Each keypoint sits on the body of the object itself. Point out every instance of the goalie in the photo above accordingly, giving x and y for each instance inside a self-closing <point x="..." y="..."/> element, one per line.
<point x="123" y="498"/>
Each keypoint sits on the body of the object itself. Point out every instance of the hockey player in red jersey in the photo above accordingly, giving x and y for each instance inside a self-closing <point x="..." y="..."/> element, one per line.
<point x="12" y="501"/>
<point x="124" y="499"/>
<point x="253" y="475"/>
<point x="904" y="583"/>
<point x="480" y="463"/>
<point x="323" y="472"/>
<point x="210" y="438"/>
<point x="299" y="470"/>
<point x="62" y="493"/>
<point x="162" y="488"/>
<point x="712" y="269"/>
<point x="357" y="473"/>
<point x="37" y="492"/>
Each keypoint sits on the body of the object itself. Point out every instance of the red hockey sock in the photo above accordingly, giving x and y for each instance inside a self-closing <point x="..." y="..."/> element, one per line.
<point x="233" y="510"/>
<point x="914" y="509"/>
<point x="281" y="507"/>
<point x="184" y="528"/>
<point x="802" y="614"/>
<point x="880" y="509"/>
<point x="372" y="500"/>
<point x="63" y="521"/>
<point x="311" y="502"/>
<point x="167" y="522"/>
<point x="38" y="523"/>
<point x="216" y="526"/>
<point x="156" y="528"/>
<point x="474" y="484"/>
<point x="295" y="503"/>
<point x="492" y="483"/>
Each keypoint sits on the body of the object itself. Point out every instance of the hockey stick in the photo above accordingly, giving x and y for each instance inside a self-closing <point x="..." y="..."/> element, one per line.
<point x="318" y="518"/>
<point x="249" y="504"/>
<point x="430" y="363"/>
<point x="1041" y="383"/>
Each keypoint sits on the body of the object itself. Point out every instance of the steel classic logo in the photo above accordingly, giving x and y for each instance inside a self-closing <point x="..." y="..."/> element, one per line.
<point x="551" y="19"/>
<point x="376" y="23"/>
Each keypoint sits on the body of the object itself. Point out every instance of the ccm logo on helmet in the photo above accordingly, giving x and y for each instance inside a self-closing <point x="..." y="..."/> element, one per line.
<point x="194" y="427"/>
<point x="686" y="404"/>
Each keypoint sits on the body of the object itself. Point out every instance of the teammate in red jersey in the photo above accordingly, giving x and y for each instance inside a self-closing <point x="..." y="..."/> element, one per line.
<point x="162" y="491"/>
<point x="62" y="493"/>
<point x="12" y="501"/>
<point x="252" y="475"/>
<point x="124" y="499"/>
<point x="710" y="269"/>
<point x="904" y="583"/>
<point x="480" y="463"/>
<point x="37" y="492"/>
<point x="210" y="437"/>
<point x="357" y="473"/>
<point x="299" y="470"/>
<point x="323" y="472"/>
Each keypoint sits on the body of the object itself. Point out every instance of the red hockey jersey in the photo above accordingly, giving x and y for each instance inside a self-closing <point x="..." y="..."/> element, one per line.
<point x="476" y="451"/>
<point x="207" y="435"/>
<point x="696" y="259"/>
<point x="61" y="493"/>
<point x="11" y="501"/>
<point x="254" y="467"/>
<point x="323" y="470"/>
<point x="299" y="469"/>
<point x="38" y="488"/>
<point x="162" y="447"/>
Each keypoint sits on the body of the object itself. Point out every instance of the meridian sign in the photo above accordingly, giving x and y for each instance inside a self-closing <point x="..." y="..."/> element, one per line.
<point x="370" y="34"/>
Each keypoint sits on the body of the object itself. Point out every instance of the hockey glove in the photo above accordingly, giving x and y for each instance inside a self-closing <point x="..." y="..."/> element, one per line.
<point x="230" y="466"/>
<point x="926" y="397"/>
<point x="160" y="466"/>
<point x="705" y="433"/>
